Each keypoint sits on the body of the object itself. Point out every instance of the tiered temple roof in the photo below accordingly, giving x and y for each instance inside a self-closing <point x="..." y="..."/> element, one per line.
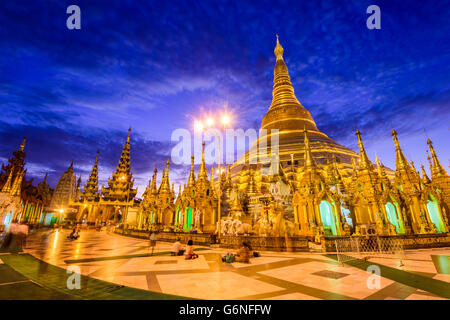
<point x="90" y="192"/>
<point x="120" y="186"/>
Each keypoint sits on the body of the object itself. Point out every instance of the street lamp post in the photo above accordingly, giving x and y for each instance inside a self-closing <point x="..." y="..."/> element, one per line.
<point x="225" y="120"/>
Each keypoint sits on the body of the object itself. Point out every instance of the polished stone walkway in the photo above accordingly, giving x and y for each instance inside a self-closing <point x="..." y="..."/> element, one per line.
<point x="425" y="274"/>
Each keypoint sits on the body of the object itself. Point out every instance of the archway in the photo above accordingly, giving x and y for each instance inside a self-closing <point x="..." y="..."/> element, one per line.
<point x="392" y="215"/>
<point x="433" y="213"/>
<point x="188" y="220"/>
<point x="327" y="217"/>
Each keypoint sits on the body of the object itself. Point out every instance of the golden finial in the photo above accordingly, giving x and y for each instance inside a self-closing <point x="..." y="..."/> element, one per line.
<point x="278" y="50"/>
<point x="128" y="137"/>
<point x="22" y="145"/>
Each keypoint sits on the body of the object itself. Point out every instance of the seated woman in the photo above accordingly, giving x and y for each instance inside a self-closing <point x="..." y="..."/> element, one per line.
<point x="243" y="255"/>
<point x="189" y="254"/>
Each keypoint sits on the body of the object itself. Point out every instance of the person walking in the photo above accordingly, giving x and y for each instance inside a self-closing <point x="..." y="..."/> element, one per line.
<point x="153" y="241"/>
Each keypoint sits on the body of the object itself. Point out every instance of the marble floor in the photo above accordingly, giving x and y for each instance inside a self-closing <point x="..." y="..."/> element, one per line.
<point x="287" y="276"/>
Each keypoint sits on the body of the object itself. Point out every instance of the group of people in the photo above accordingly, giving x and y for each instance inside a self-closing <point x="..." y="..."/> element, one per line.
<point x="15" y="237"/>
<point x="242" y="255"/>
<point x="177" y="249"/>
<point x="188" y="252"/>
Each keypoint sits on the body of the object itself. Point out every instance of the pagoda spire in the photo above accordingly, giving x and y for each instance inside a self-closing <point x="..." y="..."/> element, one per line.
<point x="45" y="178"/>
<point x="165" y="184"/>
<point x="8" y="184"/>
<point x="191" y="179"/>
<point x="153" y="187"/>
<point x="229" y="181"/>
<point x="283" y="91"/>
<point x="91" y="186"/>
<point x="251" y="186"/>
<point x="437" y="168"/>
<point x="120" y="187"/>
<point x="179" y="191"/>
<point x="278" y="50"/>
<point x="22" y="145"/>
<point x="17" y="186"/>
<point x="400" y="161"/>
<point x="354" y="169"/>
<point x="213" y="188"/>
<point x="365" y="162"/>
<point x="202" y="174"/>
<point x="425" y="178"/>
<point x="309" y="159"/>
<point x="429" y="162"/>
<point x="382" y="172"/>
<point x="379" y="167"/>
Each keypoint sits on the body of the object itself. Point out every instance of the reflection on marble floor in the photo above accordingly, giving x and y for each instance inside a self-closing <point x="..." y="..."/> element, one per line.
<point x="306" y="276"/>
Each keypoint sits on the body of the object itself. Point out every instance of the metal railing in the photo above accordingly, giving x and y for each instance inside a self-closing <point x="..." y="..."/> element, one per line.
<point x="369" y="247"/>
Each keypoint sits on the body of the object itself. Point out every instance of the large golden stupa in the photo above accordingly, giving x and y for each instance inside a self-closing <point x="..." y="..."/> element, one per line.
<point x="291" y="119"/>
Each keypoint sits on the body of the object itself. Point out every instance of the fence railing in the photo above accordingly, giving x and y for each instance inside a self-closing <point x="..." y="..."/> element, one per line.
<point x="369" y="247"/>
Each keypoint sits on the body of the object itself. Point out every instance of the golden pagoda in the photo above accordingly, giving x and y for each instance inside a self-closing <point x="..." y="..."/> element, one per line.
<point x="287" y="115"/>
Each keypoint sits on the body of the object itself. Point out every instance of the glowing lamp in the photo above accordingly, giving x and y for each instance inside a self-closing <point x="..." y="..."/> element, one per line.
<point x="210" y="122"/>
<point x="225" y="120"/>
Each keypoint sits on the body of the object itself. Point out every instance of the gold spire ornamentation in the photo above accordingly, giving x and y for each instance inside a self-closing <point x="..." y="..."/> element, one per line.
<point x="309" y="159"/>
<point x="22" y="145"/>
<point x="400" y="161"/>
<point x="365" y="162"/>
<point x="191" y="179"/>
<point x="437" y="168"/>
<point x="7" y="187"/>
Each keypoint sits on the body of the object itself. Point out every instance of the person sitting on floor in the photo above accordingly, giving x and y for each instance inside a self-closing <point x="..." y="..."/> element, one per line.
<point x="243" y="254"/>
<point x="74" y="234"/>
<point x="176" y="248"/>
<point x="189" y="254"/>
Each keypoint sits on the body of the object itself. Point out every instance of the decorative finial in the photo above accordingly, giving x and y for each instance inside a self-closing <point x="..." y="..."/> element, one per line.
<point x="22" y="145"/>
<point x="278" y="50"/>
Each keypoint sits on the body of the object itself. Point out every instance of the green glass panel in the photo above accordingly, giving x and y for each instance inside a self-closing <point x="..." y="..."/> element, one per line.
<point x="392" y="215"/>
<point x="187" y="224"/>
<point x="435" y="217"/>
<point x="326" y="214"/>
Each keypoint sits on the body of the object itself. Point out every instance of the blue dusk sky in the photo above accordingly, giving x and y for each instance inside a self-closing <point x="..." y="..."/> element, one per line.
<point x="157" y="65"/>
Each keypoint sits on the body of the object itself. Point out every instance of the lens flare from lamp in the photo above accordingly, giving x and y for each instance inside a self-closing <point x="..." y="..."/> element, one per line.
<point x="210" y="122"/>
<point x="198" y="125"/>
<point x="225" y="120"/>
